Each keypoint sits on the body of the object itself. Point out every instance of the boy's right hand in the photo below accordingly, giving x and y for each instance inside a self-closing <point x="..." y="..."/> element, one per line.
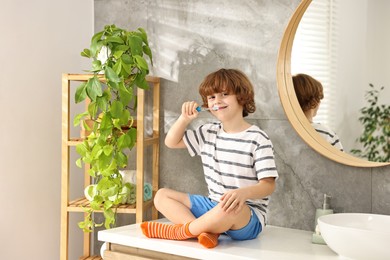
<point x="174" y="138"/>
<point x="188" y="110"/>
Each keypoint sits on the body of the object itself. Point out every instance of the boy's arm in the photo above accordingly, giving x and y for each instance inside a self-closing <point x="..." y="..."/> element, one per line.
<point x="174" y="138"/>
<point x="235" y="199"/>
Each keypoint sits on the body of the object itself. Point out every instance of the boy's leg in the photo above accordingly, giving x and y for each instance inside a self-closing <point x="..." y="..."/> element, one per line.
<point x="166" y="231"/>
<point x="214" y="221"/>
<point x="218" y="221"/>
<point x="174" y="205"/>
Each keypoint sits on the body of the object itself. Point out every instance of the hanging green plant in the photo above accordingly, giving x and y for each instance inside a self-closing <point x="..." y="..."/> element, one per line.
<point x="376" y="134"/>
<point x="117" y="54"/>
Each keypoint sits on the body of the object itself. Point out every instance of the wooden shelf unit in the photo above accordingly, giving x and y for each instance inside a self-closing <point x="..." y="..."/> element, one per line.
<point x="143" y="141"/>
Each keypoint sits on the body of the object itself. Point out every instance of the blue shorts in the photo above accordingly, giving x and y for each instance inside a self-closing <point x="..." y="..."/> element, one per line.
<point x="201" y="204"/>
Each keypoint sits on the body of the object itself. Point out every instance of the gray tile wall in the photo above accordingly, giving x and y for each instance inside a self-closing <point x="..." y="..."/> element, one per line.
<point x="190" y="39"/>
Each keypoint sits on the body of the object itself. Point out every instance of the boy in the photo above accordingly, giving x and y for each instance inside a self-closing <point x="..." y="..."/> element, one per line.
<point x="238" y="163"/>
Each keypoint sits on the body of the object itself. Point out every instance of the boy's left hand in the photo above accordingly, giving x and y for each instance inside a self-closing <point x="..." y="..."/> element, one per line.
<point x="233" y="200"/>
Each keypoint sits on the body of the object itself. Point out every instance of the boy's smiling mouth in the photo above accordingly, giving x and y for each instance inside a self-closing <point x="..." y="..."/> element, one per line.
<point x="221" y="107"/>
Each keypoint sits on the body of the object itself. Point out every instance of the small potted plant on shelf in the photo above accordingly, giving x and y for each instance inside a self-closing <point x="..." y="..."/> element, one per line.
<point x="375" y="138"/>
<point x="119" y="55"/>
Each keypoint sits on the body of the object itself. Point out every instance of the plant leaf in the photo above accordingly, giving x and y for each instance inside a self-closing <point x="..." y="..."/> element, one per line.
<point x="121" y="159"/>
<point x="126" y="68"/>
<point x="132" y="133"/>
<point x="125" y="95"/>
<point x="92" y="109"/>
<point x="81" y="92"/>
<point x="106" y="123"/>
<point x="96" y="65"/>
<point x="95" y="205"/>
<point x="143" y="35"/>
<point x="77" y="118"/>
<point x="86" y="53"/>
<point x="122" y="48"/>
<point x="115" y="39"/>
<point x="107" y="149"/>
<point x="135" y="43"/>
<point x="96" y="151"/>
<point x="94" y="88"/>
<point x="97" y="36"/>
<point x="141" y="82"/>
<point x="118" y="67"/>
<point x="116" y="123"/>
<point x="124" y="141"/>
<point x="82" y="149"/>
<point x="124" y="120"/>
<point x="127" y="59"/>
<point x="148" y="52"/>
<point x="102" y="102"/>
<point x="96" y="44"/>
<point x="111" y="75"/>
<point x="79" y="163"/>
<point x="117" y="54"/>
<point x="116" y="109"/>
<point x="141" y="62"/>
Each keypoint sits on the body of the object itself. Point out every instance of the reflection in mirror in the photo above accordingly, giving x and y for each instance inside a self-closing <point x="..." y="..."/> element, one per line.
<point x="310" y="92"/>
<point x="346" y="49"/>
<point x="346" y="107"/>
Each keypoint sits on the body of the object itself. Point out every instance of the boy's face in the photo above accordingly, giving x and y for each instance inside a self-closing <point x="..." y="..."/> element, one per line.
<point x="227" y="105"/>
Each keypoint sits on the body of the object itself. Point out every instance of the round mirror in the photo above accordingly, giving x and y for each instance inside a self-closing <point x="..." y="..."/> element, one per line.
<point x="291" y="105"/>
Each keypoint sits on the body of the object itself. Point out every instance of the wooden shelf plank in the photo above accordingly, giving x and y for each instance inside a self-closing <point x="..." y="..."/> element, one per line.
<point x="80" y="204"/>
<point x="148" y="141"/>
<point x="85" y="77"/>
<point x="95" y="257"/>
<point x="75" y="141"/>
<point x="151" y="140"/>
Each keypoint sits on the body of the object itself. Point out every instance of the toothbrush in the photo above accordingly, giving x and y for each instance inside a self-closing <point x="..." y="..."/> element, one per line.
<point x="201" y="109"/>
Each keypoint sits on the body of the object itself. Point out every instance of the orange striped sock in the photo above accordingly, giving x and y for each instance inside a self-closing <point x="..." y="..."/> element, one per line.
<point x="208" y="240"/>
<point x="166" y="231"/>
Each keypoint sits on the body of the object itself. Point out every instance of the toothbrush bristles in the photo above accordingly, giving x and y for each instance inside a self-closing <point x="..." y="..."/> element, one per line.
<point x="200" y="109"/>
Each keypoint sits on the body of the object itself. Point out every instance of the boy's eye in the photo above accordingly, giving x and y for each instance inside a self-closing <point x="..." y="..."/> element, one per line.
<point x="211" y="97"/>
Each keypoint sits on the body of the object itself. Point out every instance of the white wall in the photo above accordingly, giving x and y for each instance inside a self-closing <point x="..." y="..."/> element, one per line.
<point x="364" y="58"/>
<point x="378" y="46"/>
<point x="39" y="40"/>
<point x="351" y="78"/>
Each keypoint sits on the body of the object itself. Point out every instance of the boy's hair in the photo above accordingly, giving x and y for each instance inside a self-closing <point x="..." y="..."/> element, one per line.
<point x="309" y="91"/>
<point x="231" y="81"/>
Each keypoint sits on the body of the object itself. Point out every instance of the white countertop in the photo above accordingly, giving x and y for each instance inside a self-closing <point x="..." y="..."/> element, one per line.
<point x="273" y="243"/>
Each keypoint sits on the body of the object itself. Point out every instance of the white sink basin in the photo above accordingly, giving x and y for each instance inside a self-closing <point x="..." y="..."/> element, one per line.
<point x="357" y="235"/>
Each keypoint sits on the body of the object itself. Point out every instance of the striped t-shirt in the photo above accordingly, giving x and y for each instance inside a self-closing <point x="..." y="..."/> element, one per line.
<point x="330" y="136"/>
<point x="232" y="161"/>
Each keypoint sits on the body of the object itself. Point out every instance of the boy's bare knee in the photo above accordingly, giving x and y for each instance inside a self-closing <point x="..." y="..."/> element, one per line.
<point x="161" y="194"/>
<point x="165" y="196"/>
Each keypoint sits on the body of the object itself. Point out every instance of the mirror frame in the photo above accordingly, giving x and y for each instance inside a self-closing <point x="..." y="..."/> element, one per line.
<point x="291" y="105"/>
